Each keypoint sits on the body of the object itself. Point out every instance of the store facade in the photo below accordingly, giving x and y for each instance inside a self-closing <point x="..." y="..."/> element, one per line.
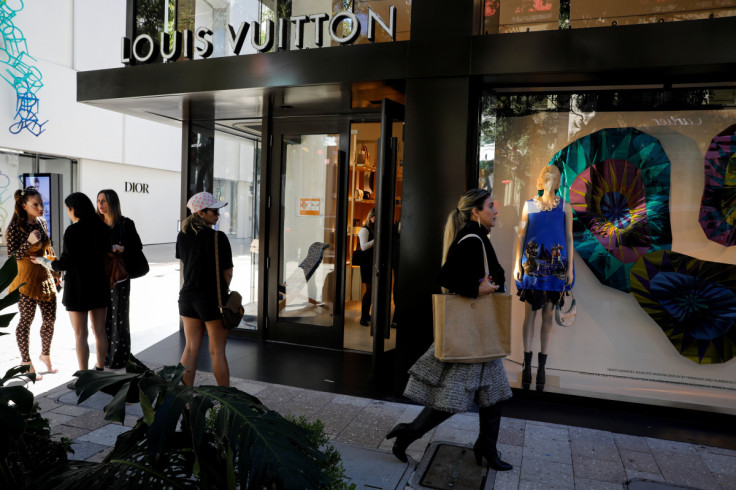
<point x="308" y="130"/>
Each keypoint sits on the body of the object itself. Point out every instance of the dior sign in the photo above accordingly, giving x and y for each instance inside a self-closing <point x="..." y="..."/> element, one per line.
<point x="136" y="187"/>
<point x="263" y="36"/>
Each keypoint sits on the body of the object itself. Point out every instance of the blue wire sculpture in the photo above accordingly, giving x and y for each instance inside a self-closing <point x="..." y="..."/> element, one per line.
<point x="20" y="73"/>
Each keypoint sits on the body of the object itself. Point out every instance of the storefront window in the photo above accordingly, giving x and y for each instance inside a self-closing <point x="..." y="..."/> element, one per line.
<point x="504" y="16"/>
<point x="649" y="180"/>
<point x="235" y="181"/>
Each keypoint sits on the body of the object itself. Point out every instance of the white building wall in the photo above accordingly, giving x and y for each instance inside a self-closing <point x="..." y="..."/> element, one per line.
<point x="66" y="36"/>
<point x="156" y="212"/>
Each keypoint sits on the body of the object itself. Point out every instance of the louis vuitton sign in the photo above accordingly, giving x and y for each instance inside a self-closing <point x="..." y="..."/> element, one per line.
<point x="262" y="36"/>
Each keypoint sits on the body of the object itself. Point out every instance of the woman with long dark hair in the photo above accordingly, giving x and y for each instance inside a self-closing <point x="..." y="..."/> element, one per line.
<point x="125" y="240"/>
<point x="27" y="237"/>
<point x="445" y="388"/>
<point x="86" y="286"/>
<point x="198" y="302"/>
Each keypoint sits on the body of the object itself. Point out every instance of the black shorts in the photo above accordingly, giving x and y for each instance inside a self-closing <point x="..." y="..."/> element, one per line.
<point x="204" y="310"/>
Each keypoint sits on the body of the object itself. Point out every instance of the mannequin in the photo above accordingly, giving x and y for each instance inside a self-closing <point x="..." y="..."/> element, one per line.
<point x="543" y="267"/>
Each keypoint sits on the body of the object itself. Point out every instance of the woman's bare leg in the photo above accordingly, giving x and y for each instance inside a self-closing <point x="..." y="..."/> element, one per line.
<point x="194" y="333"/>
<point x="548" y="314"/>
<point x="218" y="339"/>
<point x="79" y="324"/>
<point x="97" y="317"/>
<point x="528" y="331"/>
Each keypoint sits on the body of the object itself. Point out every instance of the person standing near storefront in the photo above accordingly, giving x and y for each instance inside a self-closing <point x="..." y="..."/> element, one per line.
<point x="86" y="286"/>
<point x="366" y="236"/>
<point x="544" y="266"/>
<point x="27" y="237"/>
<point x="445" y="388"/>
<point x="198" y="303"/>
<point x="125" y="240"/>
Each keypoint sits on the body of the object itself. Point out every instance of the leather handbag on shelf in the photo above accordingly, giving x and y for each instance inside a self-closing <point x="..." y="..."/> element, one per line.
<point x="115" y="268"/>
<point x="232" y="311"/>
<point x="565" y="315"/>
<point x="468" y="330"/>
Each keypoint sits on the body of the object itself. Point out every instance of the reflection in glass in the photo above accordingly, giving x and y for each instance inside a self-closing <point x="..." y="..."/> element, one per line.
<point x="308" y="208"/>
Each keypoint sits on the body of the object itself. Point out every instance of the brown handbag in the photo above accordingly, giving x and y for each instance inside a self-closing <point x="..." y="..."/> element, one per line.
<point x="115" y="268"/>
<point x="232" y="312"/>
<point x="468" y="330"/>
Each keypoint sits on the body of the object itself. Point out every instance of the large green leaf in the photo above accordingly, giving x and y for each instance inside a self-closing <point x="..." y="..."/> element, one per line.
<point x="8" y="272"/>
<point x="6" y="319"/>
<point x="10" y="299"/>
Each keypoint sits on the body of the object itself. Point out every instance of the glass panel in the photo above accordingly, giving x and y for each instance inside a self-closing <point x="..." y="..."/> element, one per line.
<point x="502" y="16"/>
<point x="648" y="178"/>
<point x="309" y="196"/>
<point x="235" y="181"/>
<point x="12" y="165"/>
<point x="361" y="200"/>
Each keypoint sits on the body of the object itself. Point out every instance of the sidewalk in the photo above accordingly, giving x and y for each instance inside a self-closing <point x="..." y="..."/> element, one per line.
<point x="545" y="456"/>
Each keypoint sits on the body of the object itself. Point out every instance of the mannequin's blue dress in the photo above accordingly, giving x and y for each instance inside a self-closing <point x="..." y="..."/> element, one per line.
<point x="544" y="256"/>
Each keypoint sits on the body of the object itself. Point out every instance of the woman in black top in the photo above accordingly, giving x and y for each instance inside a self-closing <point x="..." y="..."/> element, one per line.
<point x="198" y="305"/>
<point x="445" y="388"/>
<point x="86" y="286"/>
<point x="125" y="240"/>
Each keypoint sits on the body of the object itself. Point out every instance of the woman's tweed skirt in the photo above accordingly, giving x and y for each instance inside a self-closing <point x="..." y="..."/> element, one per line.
<point x="454" y="387"/>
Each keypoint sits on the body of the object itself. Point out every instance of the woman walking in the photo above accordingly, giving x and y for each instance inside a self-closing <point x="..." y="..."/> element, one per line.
<point x="198" y="302"/>
<point x="445" y="388"/>
<point x="27" y="237"/>
<point x="125" y="240"/>
<point x="86" y="286"/>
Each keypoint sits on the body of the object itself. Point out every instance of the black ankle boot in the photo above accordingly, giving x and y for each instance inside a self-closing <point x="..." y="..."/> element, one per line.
<point x="526" y="374"/>
<point x="485" y="446"/>
<point x="405" y="434"/>
<point x="541" y="378"/>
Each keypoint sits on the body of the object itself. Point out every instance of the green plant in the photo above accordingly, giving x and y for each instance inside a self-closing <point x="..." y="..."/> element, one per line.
<point x="332" y="466"/>
<point x="173" y="446"/>
<point x="7" y="273"/>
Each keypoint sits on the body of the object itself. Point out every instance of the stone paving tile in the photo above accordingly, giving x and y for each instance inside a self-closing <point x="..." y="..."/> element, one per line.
<point x="278" y="393"/>
<point x="45" y="403"/>
<point x="662" y="446"/>
<point x="455" y="436"/>
<point x="597" y="449"/>
<point x="597" y="469"/>
<point x="72" y="410"/>
<point x="337" y="416"/>
<point x="56" y="418"/>
<point x="559" y="432"/>
<point x="511" y="423"/>
<point x="105" y="436"/>
<point x="685" y="469"/>
<point x="726" y="481"/>
<point x="503" y="479"/>
<point x="716" y="450"/>
<point x="641" y="475"/>
<point x="643" y="462"/>
<point x="312" y="401"/>
<point x="462" y="421"/>
<point x="720" y="464"/>
<point x="67" y="431"/>
<point x="130" y="420"/>
<point x="97" y="458"/>
<point x="92" y="420"/>
<point x="632" y="443"/>
<point x="548" y="450"/>
<point x="511" y="436"/>
<point x="361" y="402"/>
<point x="96" y="401"/>
<point x="547" y="472"/>
<point x="84" y="450"/>
<point x="584" y="434"/>
<point x="250" y="387"/>
<point x="587" y="484"/>
<point x="546" y="425"/>
<point x="369" y="427"/>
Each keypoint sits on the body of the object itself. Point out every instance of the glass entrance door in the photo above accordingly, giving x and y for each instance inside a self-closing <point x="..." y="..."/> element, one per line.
<point x="304" y="302"/>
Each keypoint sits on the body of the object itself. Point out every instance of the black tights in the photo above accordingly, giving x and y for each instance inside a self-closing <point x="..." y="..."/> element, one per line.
<point x="365" y="310"/>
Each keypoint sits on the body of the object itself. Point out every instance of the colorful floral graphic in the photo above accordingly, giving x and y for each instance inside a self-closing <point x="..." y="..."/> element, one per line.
<point x="693" y="301"/>
<point x="617" y="182"/>
<point x="718" y="207"/>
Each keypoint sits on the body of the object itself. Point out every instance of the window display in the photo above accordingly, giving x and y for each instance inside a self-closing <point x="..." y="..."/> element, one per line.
<point x="655" y="296"/>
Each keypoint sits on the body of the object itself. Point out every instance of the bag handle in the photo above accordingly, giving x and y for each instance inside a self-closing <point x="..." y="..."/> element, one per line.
<point x="485" y="257"/>
<point x="217" y="274"/>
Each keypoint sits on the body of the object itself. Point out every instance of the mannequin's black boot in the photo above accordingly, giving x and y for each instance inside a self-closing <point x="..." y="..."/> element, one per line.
<point x="526" y="374"/>
<point x="485" y="446"/>
<point x="541" y="378"/>
<point x="405" y="434"/>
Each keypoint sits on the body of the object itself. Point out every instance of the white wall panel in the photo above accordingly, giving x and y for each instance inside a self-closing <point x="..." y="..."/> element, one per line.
<point x="99" y="26"/>
<point x="155" y="213"/>
<point x="48" y="28"/>
<point x="151" y="144"/>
